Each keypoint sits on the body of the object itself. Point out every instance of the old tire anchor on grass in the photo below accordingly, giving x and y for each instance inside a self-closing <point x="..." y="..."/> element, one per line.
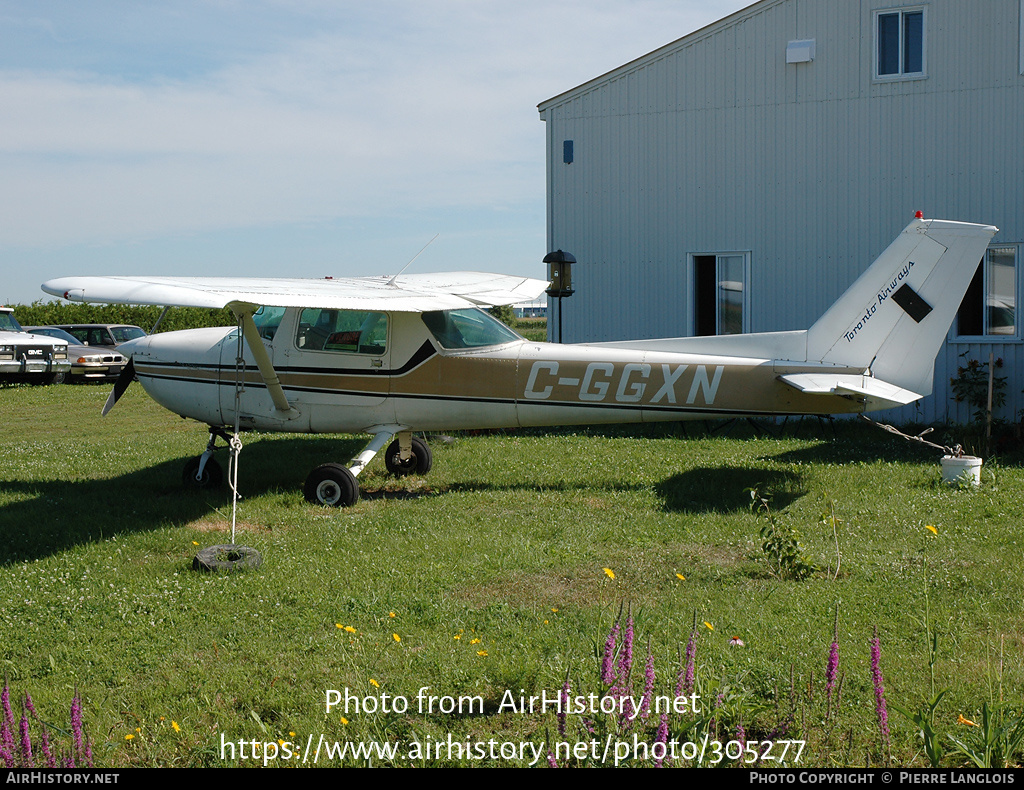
<point x="227" y="558"/>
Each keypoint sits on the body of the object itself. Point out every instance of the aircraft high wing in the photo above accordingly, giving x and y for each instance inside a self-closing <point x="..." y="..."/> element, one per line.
<point x="393" y="356"/>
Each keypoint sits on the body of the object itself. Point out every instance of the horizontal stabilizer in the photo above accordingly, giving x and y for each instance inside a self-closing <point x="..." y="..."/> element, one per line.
<point x="875" y="393"/>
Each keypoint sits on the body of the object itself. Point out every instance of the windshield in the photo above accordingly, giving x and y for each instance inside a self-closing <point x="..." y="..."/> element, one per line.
<point x="472" y="328"/>
<point x="267" y="320"/>
<point x="52" y="331"/>
<point x="122" y="334"/>
<point x="7" y="323"/>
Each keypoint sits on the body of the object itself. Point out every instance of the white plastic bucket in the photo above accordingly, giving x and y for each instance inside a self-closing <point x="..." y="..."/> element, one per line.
<point x="958" y="471"/>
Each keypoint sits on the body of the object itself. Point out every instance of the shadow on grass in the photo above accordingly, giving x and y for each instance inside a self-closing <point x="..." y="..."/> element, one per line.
<point x="50" y="516"/>
<point x="724" y="489"/>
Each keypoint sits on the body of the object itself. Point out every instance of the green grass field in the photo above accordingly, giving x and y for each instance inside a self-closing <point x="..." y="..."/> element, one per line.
<point x="488" y="576"/>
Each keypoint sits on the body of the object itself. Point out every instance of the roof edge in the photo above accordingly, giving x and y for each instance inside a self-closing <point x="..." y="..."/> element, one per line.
<point x="655" y="53"/>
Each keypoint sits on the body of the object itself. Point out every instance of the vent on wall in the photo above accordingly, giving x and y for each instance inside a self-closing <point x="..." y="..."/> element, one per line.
<point x="800" y="51"/>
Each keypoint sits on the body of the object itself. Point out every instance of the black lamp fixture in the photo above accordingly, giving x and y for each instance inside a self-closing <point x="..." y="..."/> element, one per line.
<point x="559" y="273"/>
<point x="560" y="279"/>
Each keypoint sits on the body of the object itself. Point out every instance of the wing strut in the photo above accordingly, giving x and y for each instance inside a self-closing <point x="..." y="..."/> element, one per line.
<point x="259" y="351"/>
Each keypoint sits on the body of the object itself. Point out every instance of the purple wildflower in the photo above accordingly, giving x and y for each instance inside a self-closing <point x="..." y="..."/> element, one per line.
<point x="626" y="656"/>
<point x="551" y="761"/>
<point x="690" y="671"/>
<point x="30" y="706"/>
<point x="645" y="703"/>
<point x="7" y="728"/>
<point x="48" y="756"/>
<point x="662" y="738"/>
<point x="832" y="667"/>
<point x="608" y="662"/>
<point x="76" y="725"/>
<point x="876" y="679"/>
<point x="88" y="753"/>
<point x="26" y="742"/>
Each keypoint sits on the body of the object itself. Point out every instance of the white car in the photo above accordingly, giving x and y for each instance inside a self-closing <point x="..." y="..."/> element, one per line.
<point x="32" y="358"/>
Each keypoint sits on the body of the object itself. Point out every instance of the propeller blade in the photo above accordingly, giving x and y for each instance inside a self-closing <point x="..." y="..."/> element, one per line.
<point x="126" y="378"/>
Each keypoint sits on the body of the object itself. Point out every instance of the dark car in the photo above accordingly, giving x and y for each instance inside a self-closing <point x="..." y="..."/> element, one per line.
<point x="107" y="335"/>
<point x="88" y="363"/>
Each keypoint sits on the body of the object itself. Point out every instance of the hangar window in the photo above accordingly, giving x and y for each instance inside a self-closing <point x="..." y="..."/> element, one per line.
<point x="720" y="293"/>
<point x="899" y="44"/>
<point x="351" y="331"/>
<point x="989" y="308"/>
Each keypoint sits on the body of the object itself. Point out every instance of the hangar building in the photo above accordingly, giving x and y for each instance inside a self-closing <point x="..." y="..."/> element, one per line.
<point x="740" y="178"/>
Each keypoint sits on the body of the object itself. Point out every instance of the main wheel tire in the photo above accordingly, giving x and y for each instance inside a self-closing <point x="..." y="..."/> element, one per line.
<point x="419" y="462"/>
<point x="331" y="485"/>
<point x="213" y="475"/>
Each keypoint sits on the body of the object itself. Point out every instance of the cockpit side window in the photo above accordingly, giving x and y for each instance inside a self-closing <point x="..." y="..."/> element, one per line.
<point x="472" y="328"/>
<point x="345" y="331"/>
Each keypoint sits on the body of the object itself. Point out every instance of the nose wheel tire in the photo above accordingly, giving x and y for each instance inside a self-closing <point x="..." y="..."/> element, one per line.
<point x="331" y="485"/>
<point x="212" y="477"/>
<point x="418" y="463"/>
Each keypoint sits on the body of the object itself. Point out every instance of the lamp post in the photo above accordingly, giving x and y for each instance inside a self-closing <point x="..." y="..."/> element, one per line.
<point x="560" y="276"/>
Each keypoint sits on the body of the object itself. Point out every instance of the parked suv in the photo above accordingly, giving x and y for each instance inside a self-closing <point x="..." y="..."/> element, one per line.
<point x="107" y="335"/>
<point x="32" y="358"/>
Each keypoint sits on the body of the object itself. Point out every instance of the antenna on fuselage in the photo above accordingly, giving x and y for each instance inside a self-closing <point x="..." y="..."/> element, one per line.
<point x="414" y="257"/>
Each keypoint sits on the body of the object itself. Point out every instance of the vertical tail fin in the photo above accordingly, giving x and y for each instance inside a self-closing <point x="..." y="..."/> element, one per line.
<point x="894" y="318"/>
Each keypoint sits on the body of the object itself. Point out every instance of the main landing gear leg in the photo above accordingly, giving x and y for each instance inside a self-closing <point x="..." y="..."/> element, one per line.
<point x="335" y="485"/>
<point x="203" y="471"/>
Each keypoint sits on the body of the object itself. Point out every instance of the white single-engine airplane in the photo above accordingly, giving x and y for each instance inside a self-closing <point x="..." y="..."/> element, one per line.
<point x="389" y="357"/>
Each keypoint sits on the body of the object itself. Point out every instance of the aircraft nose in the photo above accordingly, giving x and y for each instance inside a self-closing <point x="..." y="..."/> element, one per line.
<point x="132" y="347"/>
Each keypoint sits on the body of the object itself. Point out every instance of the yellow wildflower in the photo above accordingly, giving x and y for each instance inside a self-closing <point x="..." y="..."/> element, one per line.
<point x="482" y="653"/>
<point x="396" y="637"/>
<point x="545" y="622"/>
<point x="195" y="543"/>
<point x="350" y="629"/>
<point x="174" y="724"/>
<point x="344" y="720"/>
<point x="609" y="573"/>
<point x="475" y="641"/>
<point x="457" y="636"/>
<point x="931" y="529"/>
<point x="554" y="610"/>
<point x="960" y="719"/>
<point x="392" y="614"/>
<point x="129" y="736"/>
<point x="374" y="683"/>
<point x="710" y="627"/>
<point x="680" y="577"/>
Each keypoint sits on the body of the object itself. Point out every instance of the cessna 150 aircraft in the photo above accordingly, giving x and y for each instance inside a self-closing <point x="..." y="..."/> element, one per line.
<point x="389" y="357"/>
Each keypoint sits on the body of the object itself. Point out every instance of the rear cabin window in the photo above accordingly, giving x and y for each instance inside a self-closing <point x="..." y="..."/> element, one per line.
<point x="470" y="328"/>
<point x="345" y="331"/>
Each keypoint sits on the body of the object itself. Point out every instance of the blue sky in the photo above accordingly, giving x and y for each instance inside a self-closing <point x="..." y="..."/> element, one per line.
<point x="292" y="139"/>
